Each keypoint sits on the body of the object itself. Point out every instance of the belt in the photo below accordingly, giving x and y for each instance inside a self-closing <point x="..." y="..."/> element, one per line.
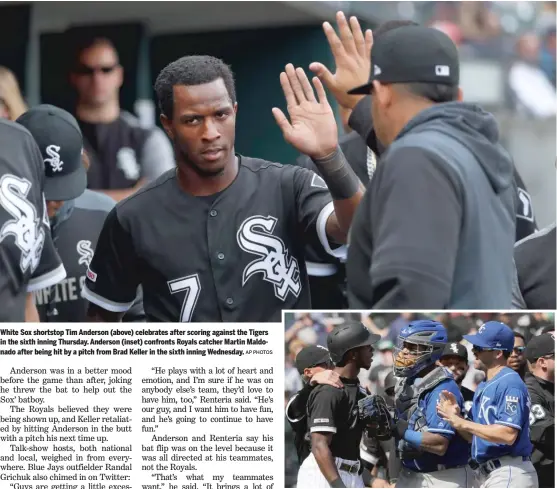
<point x="488" y="467"/>
<point x="351" y="469"/>
<point x="439" y="468"/>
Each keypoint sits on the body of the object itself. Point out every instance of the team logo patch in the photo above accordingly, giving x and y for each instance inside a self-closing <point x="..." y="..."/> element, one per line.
<point x="454" y="348"/>
<point x="54" y="161"/>
<point x="321" y="420"/>
<point x="25" y="226"/>
<point x="318" y="182"/>
<point x="92" y="276"/>
<point x="255" y="236"/>
<point x="525" y="207"/>
<point x="481" y="330"/>
<point x="85" y="252"/>
<point x="511" y="405"/>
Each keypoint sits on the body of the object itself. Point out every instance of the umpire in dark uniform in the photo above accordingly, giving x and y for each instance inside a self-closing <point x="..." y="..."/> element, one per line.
<point x="540" y="353"/>
<point x="336" y="430"/>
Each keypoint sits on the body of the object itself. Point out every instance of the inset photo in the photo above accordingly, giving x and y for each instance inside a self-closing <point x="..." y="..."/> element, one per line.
<point x="426" y="399"/>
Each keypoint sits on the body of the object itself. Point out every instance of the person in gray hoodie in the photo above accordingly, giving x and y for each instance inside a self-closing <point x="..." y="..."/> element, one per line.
<point x="436" y="227"/>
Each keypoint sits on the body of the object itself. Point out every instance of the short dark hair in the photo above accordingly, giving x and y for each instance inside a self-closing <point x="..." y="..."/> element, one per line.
<point x="390" y="25"/>
<point x="190" y="71"/>
<point x="519" y="335"/>
<point x="83" y="40"/>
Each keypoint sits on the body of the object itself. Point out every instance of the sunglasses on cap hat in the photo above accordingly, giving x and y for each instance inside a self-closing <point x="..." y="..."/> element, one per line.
<point x="91" y="70"/>
<point x="480" y="349"/>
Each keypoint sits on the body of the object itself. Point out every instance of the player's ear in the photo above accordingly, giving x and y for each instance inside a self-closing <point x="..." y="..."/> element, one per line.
<point x="235" y="107"/>
<point x="460" y="96"/>
<point x="167" y="126"/>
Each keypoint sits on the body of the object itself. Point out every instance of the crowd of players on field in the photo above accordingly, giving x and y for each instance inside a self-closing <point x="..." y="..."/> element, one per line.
<point x="406" y="249"/>
<point x="532" y="336"/>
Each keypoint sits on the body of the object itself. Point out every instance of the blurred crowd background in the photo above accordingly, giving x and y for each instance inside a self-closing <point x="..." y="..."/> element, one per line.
<point x="507" y="61"/>
<point x="303" y="329"/>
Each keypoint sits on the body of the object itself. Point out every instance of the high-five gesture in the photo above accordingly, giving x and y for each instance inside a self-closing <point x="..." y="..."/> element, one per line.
<point x="312" y="128"/>
<point x="352" y="54"/>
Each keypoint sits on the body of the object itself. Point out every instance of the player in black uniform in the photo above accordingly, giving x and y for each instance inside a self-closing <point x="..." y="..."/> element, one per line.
<point x="540" y="353"/>
<point x="336" y="430"/>
<point x="76" y="214"/>
<point x="222" y="238"/>
<point x="314" y="365"/>
<point x="455" y="358"/>
<point x="28" y="259"/>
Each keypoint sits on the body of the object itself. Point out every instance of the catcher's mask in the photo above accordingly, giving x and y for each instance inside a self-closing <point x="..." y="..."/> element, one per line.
<point x="419" y="345"/>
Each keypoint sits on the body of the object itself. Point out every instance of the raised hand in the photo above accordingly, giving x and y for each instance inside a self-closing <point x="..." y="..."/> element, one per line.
<point x="327" y="377"/>
<point x="312" y="128"/>
<point x="352" y="54"/>
<point x="447" y="407"/>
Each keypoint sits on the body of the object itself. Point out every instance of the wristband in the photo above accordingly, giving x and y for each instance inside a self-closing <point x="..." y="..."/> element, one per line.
<point x="337" y="483"/>
<point x="338" y="175"/>
<point x="413" y="437"/>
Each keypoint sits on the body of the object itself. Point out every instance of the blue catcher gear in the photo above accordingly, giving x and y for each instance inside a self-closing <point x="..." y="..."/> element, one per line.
<point x="419" y="345"/>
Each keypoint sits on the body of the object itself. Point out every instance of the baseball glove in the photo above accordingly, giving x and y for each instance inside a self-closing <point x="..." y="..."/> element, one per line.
<point x="374" y="413"/>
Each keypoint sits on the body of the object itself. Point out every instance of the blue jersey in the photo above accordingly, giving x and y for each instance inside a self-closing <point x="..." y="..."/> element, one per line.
<point x="458" y="450"/>
<point x="502" y="400"/>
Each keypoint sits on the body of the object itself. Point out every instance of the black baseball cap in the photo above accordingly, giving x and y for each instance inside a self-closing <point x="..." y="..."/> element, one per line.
<point x="412" y="54"/>
<point x="455" y="350"/>
<point x="59" y="138"/>
<point x="311" y="356"/>
<point x="540" y="346"/>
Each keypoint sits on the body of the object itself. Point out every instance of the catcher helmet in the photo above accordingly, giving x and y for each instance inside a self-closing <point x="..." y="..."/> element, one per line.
<point x="347" y="337"/>
<point x="429" y="337"/>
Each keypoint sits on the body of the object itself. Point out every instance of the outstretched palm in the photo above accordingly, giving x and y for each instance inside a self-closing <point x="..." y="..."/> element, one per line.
<point x="312" y="129"/>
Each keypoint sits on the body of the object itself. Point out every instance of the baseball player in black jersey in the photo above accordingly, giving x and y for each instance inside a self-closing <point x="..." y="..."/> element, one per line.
<point x="335" y="427"/>
<point x="222" y="237"/>
<point x="76" y="215"/>
<point x="455" y="358"/>
<point x="28" y="259"/>
<point x="314" y="365"/>
<point x="540" y="381"/>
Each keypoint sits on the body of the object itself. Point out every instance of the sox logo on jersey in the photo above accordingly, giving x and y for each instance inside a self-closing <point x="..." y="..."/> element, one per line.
<point x="454" y="348"/>
<point x="25" y="226"/>
<point x="255" y="236"/>
<point x="85" y="252"/>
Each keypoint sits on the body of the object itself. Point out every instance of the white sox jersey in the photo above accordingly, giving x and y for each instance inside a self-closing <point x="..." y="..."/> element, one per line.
<point x="237" y="255"/>
<point x="28" y="259"/>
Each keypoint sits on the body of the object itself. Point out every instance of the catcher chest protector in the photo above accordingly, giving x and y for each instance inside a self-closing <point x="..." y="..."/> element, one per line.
<point x="407" y="396"/>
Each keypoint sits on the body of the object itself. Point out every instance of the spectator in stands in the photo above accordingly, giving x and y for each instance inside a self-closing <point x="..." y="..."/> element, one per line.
<point x="547" y="55"/>
<point x="124" y="156"/>
<point x="445" y="17"/>
<point x="12" y="104"/>
<point x="517" y="360"/>
<point x="533" y="93"/>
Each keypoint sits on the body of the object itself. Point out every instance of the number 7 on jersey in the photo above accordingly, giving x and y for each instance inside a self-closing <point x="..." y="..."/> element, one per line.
<point x="191" y="286"/>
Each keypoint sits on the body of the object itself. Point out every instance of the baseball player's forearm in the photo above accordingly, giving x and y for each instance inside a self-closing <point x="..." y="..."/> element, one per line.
<point x="345" y="188"/>
<point x="325" y="460"/>
<point x="339" y="222"/>
<point x="31" y="313"/>
<point x="433" y="443"/>
<point x="494" y="433"/>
